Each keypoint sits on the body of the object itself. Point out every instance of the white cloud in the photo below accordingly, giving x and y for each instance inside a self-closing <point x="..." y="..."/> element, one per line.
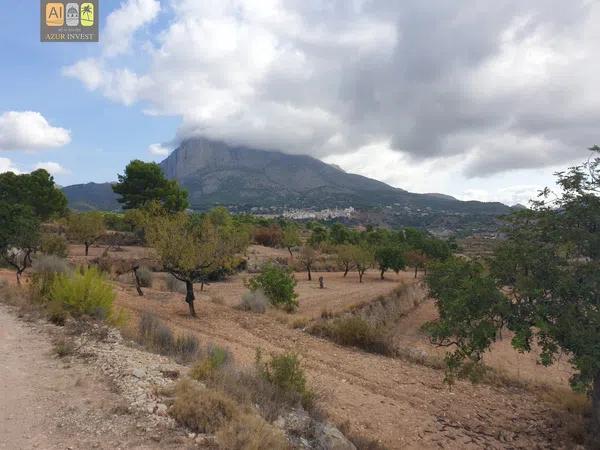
<point x="53" y="168"/>
<point x="122" y="24"/>
<point x="158" y="150"/>
<point x="477" y="88"/>
<point x="6" y="165"/>
<point x="30" y="131"/>
<point x="89" y="71"/>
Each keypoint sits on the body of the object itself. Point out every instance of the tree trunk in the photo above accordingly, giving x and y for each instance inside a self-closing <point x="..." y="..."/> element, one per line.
<point x="321" y="283"/>
<point x="347" y="267"/>
<point x="291" y="254"/>
<point x="138" y="285"/>
<point x="595" y="422"/>
<point x="189" y="297"/>
<point x="360" y="276"/>
<point x="309" y="274"/>
<point x="87" y="247"/>
<point x="19" y="277"/>
<point x="202" y="286"/>
<point x="382" y="274"/>
<point x="416" y="269"/>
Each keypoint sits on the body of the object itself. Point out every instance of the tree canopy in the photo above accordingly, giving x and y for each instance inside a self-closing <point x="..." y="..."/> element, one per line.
<point x="25" y="201"/>
<point x="35" y="190"/>
<point x="543" y="283"/>
<point x="144" y="183"/>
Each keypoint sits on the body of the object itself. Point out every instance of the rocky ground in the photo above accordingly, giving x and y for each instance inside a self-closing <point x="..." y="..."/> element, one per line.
<point x="104" y="401"/>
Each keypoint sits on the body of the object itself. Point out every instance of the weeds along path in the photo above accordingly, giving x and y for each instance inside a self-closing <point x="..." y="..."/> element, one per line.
<point x="403" y="404"/>
<point x="47" y="403"/>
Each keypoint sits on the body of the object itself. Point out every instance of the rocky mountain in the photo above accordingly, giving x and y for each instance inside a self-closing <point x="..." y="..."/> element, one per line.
<point x="216" y="173"/>
<point x="243" y="179"/>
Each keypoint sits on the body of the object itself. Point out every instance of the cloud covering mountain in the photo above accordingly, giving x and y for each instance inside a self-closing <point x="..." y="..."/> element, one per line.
<point x="484" y="87"/>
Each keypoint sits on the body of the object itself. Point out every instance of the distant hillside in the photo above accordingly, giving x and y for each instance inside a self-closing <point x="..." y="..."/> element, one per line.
<point x="242" y="178"/>
<point x="90" y="196"/>
<point x="216" y="173"/>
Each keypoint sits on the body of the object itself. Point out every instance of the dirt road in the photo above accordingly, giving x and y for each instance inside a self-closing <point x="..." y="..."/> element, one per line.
<point x="48" y="403"/>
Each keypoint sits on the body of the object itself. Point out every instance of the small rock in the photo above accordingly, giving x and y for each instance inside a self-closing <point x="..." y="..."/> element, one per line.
<point x="138" y="373"/>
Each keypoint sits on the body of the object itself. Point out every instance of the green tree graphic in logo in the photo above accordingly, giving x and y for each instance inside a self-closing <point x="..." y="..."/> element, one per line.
<point x="87" y="14"/>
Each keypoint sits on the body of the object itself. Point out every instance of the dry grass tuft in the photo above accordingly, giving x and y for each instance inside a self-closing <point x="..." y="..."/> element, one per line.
<point x="200" y="409"/>
<point x="250" y="432"/>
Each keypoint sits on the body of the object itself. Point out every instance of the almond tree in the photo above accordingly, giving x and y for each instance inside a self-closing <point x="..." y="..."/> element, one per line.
<point x="190" y="249"/>
<point x="86" y="228"/>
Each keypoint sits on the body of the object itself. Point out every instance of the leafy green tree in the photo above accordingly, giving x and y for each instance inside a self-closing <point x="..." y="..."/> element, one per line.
<point x="278" y="284"/>
<point x="318" y="236"/>
<point x="471" y="311"/>
<point x="339" y="234"/>
<point x="390" y="257"/>
<point x="308" y="256"/>
<point x="86" y="228"/>
<point x="145" y="182"/>
<point x="19" y="236"/>
<point x="36" y="190"/>
<point x="363" y="258"/>
<point x="190" y="250"/>
<point x="291" y="238"/>
<point x="345" y="257"/>
<point x="548" y="270"/>
<point x="25" y="201"/>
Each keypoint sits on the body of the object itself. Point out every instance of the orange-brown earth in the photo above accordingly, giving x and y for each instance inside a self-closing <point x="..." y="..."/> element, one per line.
<point x="399" y="403"/>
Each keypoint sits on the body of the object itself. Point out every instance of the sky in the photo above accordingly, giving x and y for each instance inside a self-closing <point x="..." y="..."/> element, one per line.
<point x="479" y="99"/>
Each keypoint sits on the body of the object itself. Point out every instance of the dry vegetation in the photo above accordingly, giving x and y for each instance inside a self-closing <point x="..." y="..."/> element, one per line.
<point x="380" y="401"/>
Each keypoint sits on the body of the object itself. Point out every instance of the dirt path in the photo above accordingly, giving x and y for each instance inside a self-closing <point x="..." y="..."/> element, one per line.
<point x="402" y="404"/>
<point x="48" y="403"/>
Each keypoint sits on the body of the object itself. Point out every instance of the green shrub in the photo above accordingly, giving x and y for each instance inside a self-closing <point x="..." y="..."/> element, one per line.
<point x="255" y="301"/>
<point x="200" y="409"/>
<point x="145" y="276"/>
<point x="285" y="372"/>
<point x="84" y="292"/>
<point x="278" y="284"/>
<point x="54" y="244"/>
<point x="210" y="363"/>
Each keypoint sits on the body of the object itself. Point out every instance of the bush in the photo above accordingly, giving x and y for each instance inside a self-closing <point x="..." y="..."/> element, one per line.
<point x="250" y="432"/>
<point x="200" y="409"/>
<point x="271" y="236"/>
<point x="255" y="301"/>
<point x="45" y="269"/>
<point x="158" y="337"/>
<point x="54" y="244"/>
<point x="285" y="372"/>
<point x="213" y="360"/>
<point x="278" y="284"/>
<point x="175" y="285"/>
<point x="85" y="292"/>
<point x="145" y="276"/>
<point x="57" y="314"/>
<point x="355" y="331"/>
